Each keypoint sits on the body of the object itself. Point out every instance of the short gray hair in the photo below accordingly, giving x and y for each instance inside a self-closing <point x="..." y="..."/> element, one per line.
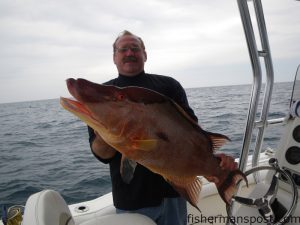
<point x="125" y="33"/>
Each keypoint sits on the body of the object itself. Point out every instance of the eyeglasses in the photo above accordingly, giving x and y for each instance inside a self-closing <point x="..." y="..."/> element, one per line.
<point x="125" y="49"/>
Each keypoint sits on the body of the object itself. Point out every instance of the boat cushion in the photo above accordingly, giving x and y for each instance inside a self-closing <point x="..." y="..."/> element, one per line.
<point x="47" y="208"/>
<point x="124" y="219"/>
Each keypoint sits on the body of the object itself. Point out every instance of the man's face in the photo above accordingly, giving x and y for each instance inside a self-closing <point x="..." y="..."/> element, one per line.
<point x="129" y="56"/>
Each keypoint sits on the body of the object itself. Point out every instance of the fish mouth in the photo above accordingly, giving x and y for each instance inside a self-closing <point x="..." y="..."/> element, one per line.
<point x="81" y="111"/>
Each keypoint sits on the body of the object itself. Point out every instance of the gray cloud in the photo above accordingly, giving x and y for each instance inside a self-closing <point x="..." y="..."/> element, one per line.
<point x="198" y="42"/>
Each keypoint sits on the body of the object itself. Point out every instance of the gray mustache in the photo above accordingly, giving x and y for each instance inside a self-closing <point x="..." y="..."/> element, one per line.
<point x="129" y="59"/>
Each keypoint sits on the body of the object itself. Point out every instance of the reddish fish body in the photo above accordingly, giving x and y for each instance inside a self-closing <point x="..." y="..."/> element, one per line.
<point x="151" y="129"/>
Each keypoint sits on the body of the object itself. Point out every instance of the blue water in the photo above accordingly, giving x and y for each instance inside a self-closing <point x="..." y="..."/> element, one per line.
<point x="42" y="146"/>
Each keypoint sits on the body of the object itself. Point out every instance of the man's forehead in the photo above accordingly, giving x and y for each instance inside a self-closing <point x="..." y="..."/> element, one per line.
<point x="128" y="39"/>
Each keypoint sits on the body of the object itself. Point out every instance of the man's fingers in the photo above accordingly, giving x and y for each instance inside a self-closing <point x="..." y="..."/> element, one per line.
<point x="227" y="162"/>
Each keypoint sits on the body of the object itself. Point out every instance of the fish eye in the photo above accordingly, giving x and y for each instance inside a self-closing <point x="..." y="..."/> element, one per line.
<point x="120" y="97"/>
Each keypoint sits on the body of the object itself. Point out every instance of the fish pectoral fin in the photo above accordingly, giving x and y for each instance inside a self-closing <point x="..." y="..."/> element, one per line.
<point x="127" y="169"/>
<point x="189" y="188"/>
<point x="145" y="145"/>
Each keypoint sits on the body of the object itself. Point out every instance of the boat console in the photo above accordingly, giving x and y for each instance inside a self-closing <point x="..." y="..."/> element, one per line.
<point x="289" y="153"/>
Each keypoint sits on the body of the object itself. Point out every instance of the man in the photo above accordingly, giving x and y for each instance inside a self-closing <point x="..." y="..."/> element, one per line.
<point x="147" y="193"/>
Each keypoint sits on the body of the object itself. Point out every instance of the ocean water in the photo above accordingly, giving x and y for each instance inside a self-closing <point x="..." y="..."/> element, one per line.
<point x="42" y="146"/>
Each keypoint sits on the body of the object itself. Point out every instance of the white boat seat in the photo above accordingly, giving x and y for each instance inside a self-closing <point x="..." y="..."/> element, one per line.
<point x="47" y="208"/>
<point x="124" y="219"/>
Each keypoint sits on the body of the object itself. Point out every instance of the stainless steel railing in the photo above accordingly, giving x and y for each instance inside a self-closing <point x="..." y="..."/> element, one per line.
<point x="255" y="55"/>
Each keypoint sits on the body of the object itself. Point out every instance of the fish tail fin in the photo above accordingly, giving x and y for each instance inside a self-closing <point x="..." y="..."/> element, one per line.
<point x="188" y="188"/>
<point x="228" y="186"/>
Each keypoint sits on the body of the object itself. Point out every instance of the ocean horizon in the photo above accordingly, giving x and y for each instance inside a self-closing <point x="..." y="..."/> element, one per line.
<point x="42" y="146"/>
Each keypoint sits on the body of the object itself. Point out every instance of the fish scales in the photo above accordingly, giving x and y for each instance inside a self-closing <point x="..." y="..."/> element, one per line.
<point x="151" y="129"/>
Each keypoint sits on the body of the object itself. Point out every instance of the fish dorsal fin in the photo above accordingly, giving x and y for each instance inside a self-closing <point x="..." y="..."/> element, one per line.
<point x="143" y="95"/>
<point x="145" y="145"/>
<point x="127" y="169"/>
<point x="148" y="96"/>
<point x="218" y="140"/>
<point x="185" y="114"/>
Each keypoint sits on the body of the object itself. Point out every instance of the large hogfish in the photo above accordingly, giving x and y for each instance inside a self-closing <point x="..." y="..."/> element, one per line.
<point x="151" y="129"/>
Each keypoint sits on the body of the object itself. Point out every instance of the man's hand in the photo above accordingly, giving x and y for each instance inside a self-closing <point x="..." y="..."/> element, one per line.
<point x="227" y="162"/>
<point x="101" y="148"/>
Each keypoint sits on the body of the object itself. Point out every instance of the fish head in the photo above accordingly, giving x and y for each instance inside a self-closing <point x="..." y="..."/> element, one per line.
<point x="89" y="92"/>
<point x="102" y="107"/>
<point x="115" y="113"/>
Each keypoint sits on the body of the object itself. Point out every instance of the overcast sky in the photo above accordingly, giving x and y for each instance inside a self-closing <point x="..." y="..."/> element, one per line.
<point x="199" y="43"/>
